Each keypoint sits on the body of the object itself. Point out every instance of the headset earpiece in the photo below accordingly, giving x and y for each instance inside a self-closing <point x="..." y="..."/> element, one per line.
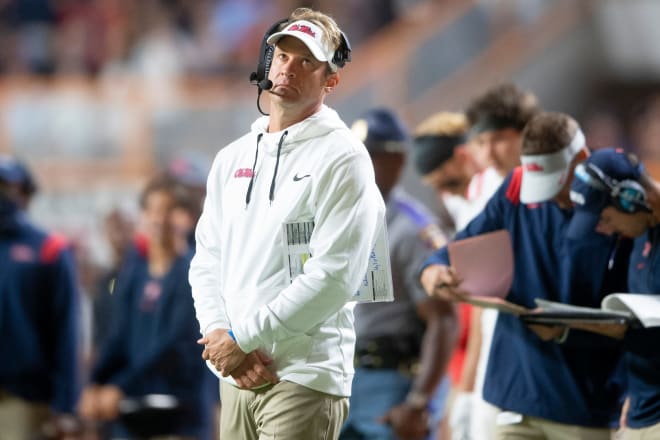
<point x="343" y="53"/>
<point x="627" y="195"/>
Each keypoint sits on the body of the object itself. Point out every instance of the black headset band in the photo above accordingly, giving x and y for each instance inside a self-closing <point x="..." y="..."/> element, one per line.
<point x="266" y="53"/>
<point x="617" y="189"/>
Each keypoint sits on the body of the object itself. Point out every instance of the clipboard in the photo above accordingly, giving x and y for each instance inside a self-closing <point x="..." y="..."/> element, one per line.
<point x="555" y="317"/>
<point x="377" y="284"/>
<point x="485" y="263"/>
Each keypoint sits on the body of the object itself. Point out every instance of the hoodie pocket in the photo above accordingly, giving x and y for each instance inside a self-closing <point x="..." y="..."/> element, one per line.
<point x="292" y="351"/>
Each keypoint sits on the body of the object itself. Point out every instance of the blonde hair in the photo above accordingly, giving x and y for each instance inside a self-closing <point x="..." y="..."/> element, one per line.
<point x="442" y="124"/>
<point x="331" y="31"/>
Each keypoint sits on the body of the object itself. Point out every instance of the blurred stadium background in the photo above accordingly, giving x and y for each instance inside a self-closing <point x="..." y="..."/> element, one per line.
<point x="96" y="95"/>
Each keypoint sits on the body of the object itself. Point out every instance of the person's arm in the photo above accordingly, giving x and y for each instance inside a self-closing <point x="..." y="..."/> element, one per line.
<point x="112" y="355"/>
<point x="204" y="273"/>
<point x="349" y="209"/>
<point x="66" y="361"/>
<point x="436" y="274"/>
<point x="437" y="345"/>
<point x="247" y="369"/>
<point x="605" y="274"/>
<point x="175" y="345"/>
<point x="409" y="418"/>
<point x="441" y="321"/>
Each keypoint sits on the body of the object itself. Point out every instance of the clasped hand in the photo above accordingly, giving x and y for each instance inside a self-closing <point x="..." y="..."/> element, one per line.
<point x="222" y="351"/>
<point x="248" y="370"/>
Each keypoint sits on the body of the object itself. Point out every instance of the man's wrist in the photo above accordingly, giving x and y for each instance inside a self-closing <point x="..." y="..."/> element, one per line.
<point x="417" y="399"/>
<point x="231" y="334"/>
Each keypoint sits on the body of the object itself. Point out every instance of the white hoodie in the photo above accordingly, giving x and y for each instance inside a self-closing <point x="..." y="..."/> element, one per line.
<point x="238" y="274"/>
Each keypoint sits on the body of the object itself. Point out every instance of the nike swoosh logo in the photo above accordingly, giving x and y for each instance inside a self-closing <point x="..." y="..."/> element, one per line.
<point x="296" y="178"/>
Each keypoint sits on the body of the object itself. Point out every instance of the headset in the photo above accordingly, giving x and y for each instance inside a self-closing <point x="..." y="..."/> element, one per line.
<point x="260" y="78"/>
<point x="627" y="195"/>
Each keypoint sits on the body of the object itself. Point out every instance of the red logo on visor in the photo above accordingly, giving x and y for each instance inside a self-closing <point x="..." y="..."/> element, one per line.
<point x="303" y="28"/>
<point x="533" y="167"/>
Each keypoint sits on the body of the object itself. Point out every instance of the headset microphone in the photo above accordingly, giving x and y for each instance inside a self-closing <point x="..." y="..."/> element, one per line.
<point x="260" y="77"/>
<point x="265" y="84"/>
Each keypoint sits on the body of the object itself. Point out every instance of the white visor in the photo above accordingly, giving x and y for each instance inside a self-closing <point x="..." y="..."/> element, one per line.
<point x="544" y="175"/>
<point x="311" y="35"/>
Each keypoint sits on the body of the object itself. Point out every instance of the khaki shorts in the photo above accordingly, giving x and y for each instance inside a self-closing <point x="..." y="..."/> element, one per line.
<point x="20" y="419"/>
<point x="534" y="428"/>
<point x="285" y="411"/>
<point x="649" y="433"/>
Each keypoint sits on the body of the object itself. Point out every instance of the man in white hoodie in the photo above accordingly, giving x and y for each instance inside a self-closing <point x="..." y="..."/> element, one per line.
<point x="280" y="334"/>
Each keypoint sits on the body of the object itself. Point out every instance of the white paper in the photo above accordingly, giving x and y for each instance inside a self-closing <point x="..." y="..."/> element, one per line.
<point x="376" y="285"/>
<point x="646" y="308"/>
<point x="553" y="306"/>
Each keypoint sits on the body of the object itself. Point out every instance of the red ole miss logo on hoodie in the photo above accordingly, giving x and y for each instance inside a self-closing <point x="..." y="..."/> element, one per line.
<point x="243" y="172"/>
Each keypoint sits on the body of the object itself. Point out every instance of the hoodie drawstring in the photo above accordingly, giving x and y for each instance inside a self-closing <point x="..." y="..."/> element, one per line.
<point x="271" y="194"/>
<point x="254" y="171"/>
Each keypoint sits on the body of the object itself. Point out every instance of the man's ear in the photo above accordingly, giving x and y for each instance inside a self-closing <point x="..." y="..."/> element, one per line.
<point x="331" y="82"/>
<point x="582" y="155"/>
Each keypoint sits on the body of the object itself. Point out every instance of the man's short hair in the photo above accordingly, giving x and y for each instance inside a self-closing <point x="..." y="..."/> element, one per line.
<point x="548" y="132"/>
<point x="503" y="106"/>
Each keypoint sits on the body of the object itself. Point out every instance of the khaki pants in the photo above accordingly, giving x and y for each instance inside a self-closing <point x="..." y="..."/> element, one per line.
<point x="534" y="428"/>
<point x="649" y="433"/>
<point x="20" y="419"/>
<point x="285" y="411"/>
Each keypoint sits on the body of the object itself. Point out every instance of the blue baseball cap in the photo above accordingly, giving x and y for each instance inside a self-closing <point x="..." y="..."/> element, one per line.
<point x="14" y="171"/>
<point x="608" y="177"/>
<point x="11" y="170"/>
<point x="381" y="131"/>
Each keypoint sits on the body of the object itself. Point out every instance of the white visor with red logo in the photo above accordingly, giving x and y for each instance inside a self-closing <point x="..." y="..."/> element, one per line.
<point x="544" y="175"/>
<point x="311" y="35"/>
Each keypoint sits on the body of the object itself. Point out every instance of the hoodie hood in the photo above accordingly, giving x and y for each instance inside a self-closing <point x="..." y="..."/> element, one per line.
<point x="318" y="124"/>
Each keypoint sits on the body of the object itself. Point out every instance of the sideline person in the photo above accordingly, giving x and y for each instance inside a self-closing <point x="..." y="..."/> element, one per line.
<point x="39" y="307"/>
<point x="284" y="347"/>
<point x="614" y="195"/>
<point x="545" y="389"/>
<point x="405" y="343"/>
